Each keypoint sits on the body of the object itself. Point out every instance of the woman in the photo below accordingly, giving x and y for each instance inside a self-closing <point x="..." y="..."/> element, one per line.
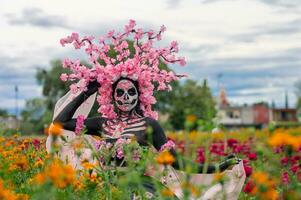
<point x="130" y="122"/>
<point x="125" y="84"/>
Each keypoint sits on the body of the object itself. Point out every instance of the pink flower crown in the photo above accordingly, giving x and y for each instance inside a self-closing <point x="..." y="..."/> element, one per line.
<point x="142" y="66"/>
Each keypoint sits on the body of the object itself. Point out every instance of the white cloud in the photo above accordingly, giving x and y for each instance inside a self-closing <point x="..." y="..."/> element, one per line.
<point x="241" y="38"/>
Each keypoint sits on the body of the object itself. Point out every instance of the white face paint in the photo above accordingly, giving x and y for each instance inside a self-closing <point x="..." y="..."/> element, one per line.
<point x="126" y="95"/>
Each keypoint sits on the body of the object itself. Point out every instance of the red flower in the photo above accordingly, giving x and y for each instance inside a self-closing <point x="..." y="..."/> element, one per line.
<point x="238" y="149"/>
<point x="232" y="142"/>
<point x="200" y="155"/>
<point x="285" y="161"/>
<point x="245" y="161"/>
<point x="295" y="159"/>
<point x="248" y="169"/>
<point x="249" y="186"/>
<point x="36" y="143"/>
<point x="295" y="168"/>
<point x="252" y="156"/>
<point x="218" y="148"/>
<point x="285" y="178"/>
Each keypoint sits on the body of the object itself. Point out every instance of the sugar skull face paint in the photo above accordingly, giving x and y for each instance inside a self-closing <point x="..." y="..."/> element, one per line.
<point x="126" y="95"/>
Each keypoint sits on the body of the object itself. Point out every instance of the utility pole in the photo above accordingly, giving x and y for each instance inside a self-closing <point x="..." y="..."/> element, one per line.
<point x="16" y="105"/>
<point x="219" y="76"/>
<point x="286" y="100"/>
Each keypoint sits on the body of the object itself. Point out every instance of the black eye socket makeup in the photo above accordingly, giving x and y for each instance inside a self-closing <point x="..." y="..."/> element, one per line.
<point x="132" y="91"/>
<point x="119" y="92"/>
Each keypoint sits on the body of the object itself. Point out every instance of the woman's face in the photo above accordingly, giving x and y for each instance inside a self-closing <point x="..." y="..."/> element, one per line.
<point x="126" y="95"/>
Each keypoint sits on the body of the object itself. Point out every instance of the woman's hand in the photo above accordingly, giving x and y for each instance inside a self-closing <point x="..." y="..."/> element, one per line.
<point x="92" y="87"/>
<point x="230" y="160"/>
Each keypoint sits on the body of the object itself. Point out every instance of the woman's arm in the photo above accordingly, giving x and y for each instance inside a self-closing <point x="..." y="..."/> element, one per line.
<point x="159" y="139"/>
<point x="93" y="125"/>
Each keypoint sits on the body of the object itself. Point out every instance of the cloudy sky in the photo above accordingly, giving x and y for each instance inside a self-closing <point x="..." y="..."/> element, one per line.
<point x="254" y="46"/>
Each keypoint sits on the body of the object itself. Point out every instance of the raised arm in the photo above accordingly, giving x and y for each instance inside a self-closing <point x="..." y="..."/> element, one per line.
<point x="93" y="125"/>
<point x="159" y="139"/>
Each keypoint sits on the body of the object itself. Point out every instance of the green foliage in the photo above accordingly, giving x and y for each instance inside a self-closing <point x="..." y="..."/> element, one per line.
<point x="191" y="99"/>
<point x="299" y="103"/>
<point x="35" y="116"/>
<point x="53" y="87"/>
<point x="3" y="112"/>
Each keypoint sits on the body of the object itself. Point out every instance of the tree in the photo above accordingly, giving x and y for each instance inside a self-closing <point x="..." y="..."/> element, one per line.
<point x="35" y="116"/>
<point x="3" y="112"/>
<point x="53" y="87"/>
<point x="191" y="99"/>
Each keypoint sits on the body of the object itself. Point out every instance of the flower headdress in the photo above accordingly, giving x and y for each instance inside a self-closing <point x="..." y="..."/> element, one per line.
<point x="141" y="65"/>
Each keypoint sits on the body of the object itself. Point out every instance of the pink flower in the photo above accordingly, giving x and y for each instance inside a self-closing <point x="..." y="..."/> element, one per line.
<point x="162" y="28"/>
<point x="79" y="124"/>
<point x="64" y="77"/>
<point x="182" y="62"/>
<point x="63" y="42"/>
<point x="174" y="46"/>
<point x="74" y="36"/>
<point x="158" y="37"/>
<point x="120" y="153"/>
<point x="110" y="33"/>
<point x="73" y="88"/>
<point x="98" y="144"/>
<point x="168" y="145"/>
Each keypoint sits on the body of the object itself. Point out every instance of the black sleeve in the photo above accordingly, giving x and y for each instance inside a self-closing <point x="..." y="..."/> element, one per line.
<point x="159" y="139"/>
<point x="93" y="125"/>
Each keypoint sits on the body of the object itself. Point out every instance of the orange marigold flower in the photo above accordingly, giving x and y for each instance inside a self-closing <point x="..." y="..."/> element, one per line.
<point x="22" y="163"/>
<point x="39" y="163"/>
<point x="23" y="197"/>
<point x="280" y="139"/>
<point x="79" y="185"/>
<point x="6" y="194"/>
<point x="86" y="165"/>
<point x="191" y="118"/>
<point x="55" y="129"/>
<point x="165" y="158"/>
<point x="262" y="180"/>
<point x="218" y="177"/>
<point x="191" y="188"/>
<point x="167" y="192"/>
<point x="40" y="178"/>
<point x="59" y="174"/>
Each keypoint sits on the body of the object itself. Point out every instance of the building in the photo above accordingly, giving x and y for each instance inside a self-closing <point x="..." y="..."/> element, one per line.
<point x="258" y="115"/>
<point x="9" y="122"/>
<point x="283" y="115"/>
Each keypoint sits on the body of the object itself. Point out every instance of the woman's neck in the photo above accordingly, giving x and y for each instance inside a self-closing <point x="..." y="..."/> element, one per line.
<point x="127" y="115"/>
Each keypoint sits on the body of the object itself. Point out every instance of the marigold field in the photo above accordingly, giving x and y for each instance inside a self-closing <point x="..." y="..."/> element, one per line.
<point x="272" y="162"/>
